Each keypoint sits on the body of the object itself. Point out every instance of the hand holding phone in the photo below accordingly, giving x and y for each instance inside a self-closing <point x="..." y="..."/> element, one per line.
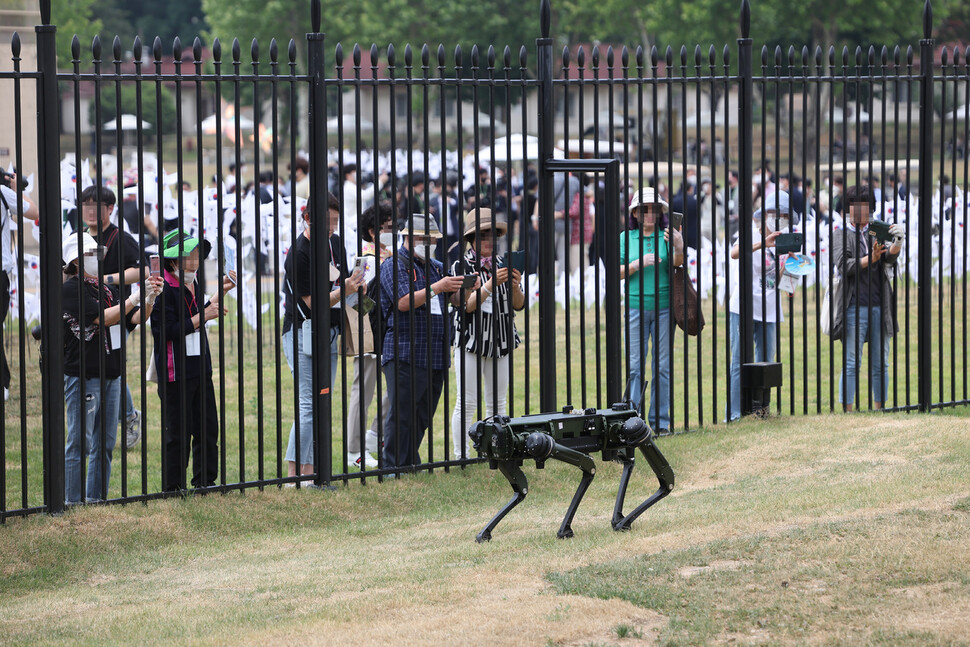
<point x="155" y="265"/>
<point x="516" y="260"/>
<point x="676" y="220"/>
<point x="468" y="281"/>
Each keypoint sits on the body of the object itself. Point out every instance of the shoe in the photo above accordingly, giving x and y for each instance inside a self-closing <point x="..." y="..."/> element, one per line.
<point x="354" y="460"/>
<point x="663" y="431"/>
<point x="133" y="429"/>
<point x="370" y="441"/>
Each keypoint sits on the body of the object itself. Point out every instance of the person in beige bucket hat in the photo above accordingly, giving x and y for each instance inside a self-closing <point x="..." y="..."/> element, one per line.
<point x="485" y="333"/>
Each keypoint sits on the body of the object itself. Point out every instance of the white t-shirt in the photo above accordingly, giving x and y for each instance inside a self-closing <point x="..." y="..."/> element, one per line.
<point x="767" y="268"/>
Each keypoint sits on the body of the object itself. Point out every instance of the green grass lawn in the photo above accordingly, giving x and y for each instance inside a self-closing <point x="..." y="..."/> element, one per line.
<point x="257" y="415"/>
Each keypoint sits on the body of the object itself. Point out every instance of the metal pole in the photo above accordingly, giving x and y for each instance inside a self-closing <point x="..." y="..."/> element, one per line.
<point x="924" y="297"/>
<point x="547" y="231"/>
<point x="320" y="253"/>
<point x="614" y="313"/>
<point x="52" y="340"/>
<point x="745" y="134"/>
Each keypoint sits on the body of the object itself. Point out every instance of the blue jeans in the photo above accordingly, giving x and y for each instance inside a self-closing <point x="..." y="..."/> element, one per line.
<point x="98" y="446"/>
<point x="878" y="360"/>
<point x="660" y="338"/>
<point x="306" y="392"/>
<point x="764" y="351"/>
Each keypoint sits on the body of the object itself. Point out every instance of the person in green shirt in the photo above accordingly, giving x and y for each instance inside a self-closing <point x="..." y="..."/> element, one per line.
<point x="645" y="263"/>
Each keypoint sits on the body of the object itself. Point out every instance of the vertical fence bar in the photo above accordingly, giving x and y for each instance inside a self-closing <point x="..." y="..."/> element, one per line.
<point x="52" y="360"/>
<point x="745" y="133"/>
<point x="320" y="251"/>
<point x="547" y="232"/>
<point x="924" y="298"/>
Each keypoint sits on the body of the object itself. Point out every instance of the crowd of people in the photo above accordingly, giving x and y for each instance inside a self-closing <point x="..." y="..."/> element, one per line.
<point x="421" y="282"/>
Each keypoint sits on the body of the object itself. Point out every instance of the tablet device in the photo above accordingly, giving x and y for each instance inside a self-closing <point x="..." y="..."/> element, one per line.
<point x="789" y="243"/>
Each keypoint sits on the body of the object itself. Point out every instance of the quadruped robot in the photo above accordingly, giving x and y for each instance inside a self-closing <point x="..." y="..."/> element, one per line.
<point x="571" y="436"/>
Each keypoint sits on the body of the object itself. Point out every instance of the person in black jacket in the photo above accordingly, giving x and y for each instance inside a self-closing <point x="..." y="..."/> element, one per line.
<point x="184" y="365"/>
<point x="94" y="313"/>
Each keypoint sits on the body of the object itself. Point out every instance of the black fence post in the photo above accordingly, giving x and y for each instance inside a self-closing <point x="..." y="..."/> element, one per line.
<point x="547" y="231"/>
<point x="924" y="298"/>
<point x="319" y="253"/>
<point x="614" y="311"/>
<point x="52" y="335"/>
<point x="745" y="134"/>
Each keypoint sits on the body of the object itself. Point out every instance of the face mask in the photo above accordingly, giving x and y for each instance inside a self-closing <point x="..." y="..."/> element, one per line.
<point x="190" y="277"/>
<point x="387" y="240"/>
<point x="421" y="251"/>
<point x="91" y="265"/>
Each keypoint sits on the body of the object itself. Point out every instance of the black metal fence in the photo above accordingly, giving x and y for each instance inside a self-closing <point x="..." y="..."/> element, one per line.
<point x="448" y="132"/>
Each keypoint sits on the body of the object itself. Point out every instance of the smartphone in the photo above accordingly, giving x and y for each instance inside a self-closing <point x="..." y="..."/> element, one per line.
<point x="880" y="231"/>
<point x="788" y="243"/>
<point x="155" y="265"/>
<point x="359" y="264"/>
<point x="676" y="220"/>
<point x="516" y="260"/>
<point x="469" y="281"/>
<point x="363" y="305"/>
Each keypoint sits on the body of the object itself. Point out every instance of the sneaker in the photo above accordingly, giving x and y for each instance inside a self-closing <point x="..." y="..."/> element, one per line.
<point x="354" y="460"/>
<point x="370" y="441"/>
<point x="133" y="429"/>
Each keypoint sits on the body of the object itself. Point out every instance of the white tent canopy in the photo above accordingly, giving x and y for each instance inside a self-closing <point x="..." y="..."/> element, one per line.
<point x="958" y="113"/>
<point x="209" y="124"/>
<point x="524" y="147"/>
<point x="128" y="122"/>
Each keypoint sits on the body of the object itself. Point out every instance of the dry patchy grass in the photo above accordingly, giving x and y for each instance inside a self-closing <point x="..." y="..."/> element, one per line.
<point x="828" y="530"/>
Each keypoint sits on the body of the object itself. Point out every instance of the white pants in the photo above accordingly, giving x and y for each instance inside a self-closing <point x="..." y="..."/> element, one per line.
<point x="467" y="400"/>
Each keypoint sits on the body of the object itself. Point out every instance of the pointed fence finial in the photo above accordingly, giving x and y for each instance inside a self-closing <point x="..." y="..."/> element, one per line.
<point x="545" y="17"/>
<point x="746" y="19"/>
<point x="927" y="20"/>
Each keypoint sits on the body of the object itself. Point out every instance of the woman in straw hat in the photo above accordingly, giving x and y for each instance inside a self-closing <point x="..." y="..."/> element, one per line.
<point x="485" y="331"/>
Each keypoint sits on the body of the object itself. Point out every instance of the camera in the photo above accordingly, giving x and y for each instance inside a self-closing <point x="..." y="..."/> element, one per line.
<point x="7" y="180"/>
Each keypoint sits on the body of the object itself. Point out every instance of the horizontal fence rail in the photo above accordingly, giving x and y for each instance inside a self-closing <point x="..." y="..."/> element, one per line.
<point x="520" y="168"/>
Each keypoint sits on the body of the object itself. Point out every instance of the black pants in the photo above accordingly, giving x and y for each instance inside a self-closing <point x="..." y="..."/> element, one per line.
<point x="4" y="308"/>
<point x="201" y="429"/>
<point x="402" y="434"/>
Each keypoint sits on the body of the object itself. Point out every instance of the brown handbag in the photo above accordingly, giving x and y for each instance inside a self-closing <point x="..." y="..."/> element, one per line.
<point x="686" y="305"/>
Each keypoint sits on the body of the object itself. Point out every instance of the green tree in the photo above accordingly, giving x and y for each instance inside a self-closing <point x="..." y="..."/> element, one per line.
<point x="74" y="17"/>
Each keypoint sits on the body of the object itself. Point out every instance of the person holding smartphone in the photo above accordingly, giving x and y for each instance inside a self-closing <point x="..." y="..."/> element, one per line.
<point x="298" y="328"/>
<point x="95" y="318"/>
<point x="866" y="313"/>
<point x="646" y="259"/>
<point x="414" y="299"/>
<point x="767" y="265"/>
<point x="484" y="324"/>
<point x="184" y="364"/>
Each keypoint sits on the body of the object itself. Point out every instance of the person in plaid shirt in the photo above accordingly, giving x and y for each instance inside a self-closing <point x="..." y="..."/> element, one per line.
<point x="415" y="357"/>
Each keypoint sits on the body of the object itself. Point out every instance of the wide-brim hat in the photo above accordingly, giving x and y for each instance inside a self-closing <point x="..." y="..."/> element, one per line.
<point x="483" y="220"/>
<point x="69" y="246"/>
<point x="422" y="226"/>
<point x="176" y="244"/>
<point x="647" y="195"/>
